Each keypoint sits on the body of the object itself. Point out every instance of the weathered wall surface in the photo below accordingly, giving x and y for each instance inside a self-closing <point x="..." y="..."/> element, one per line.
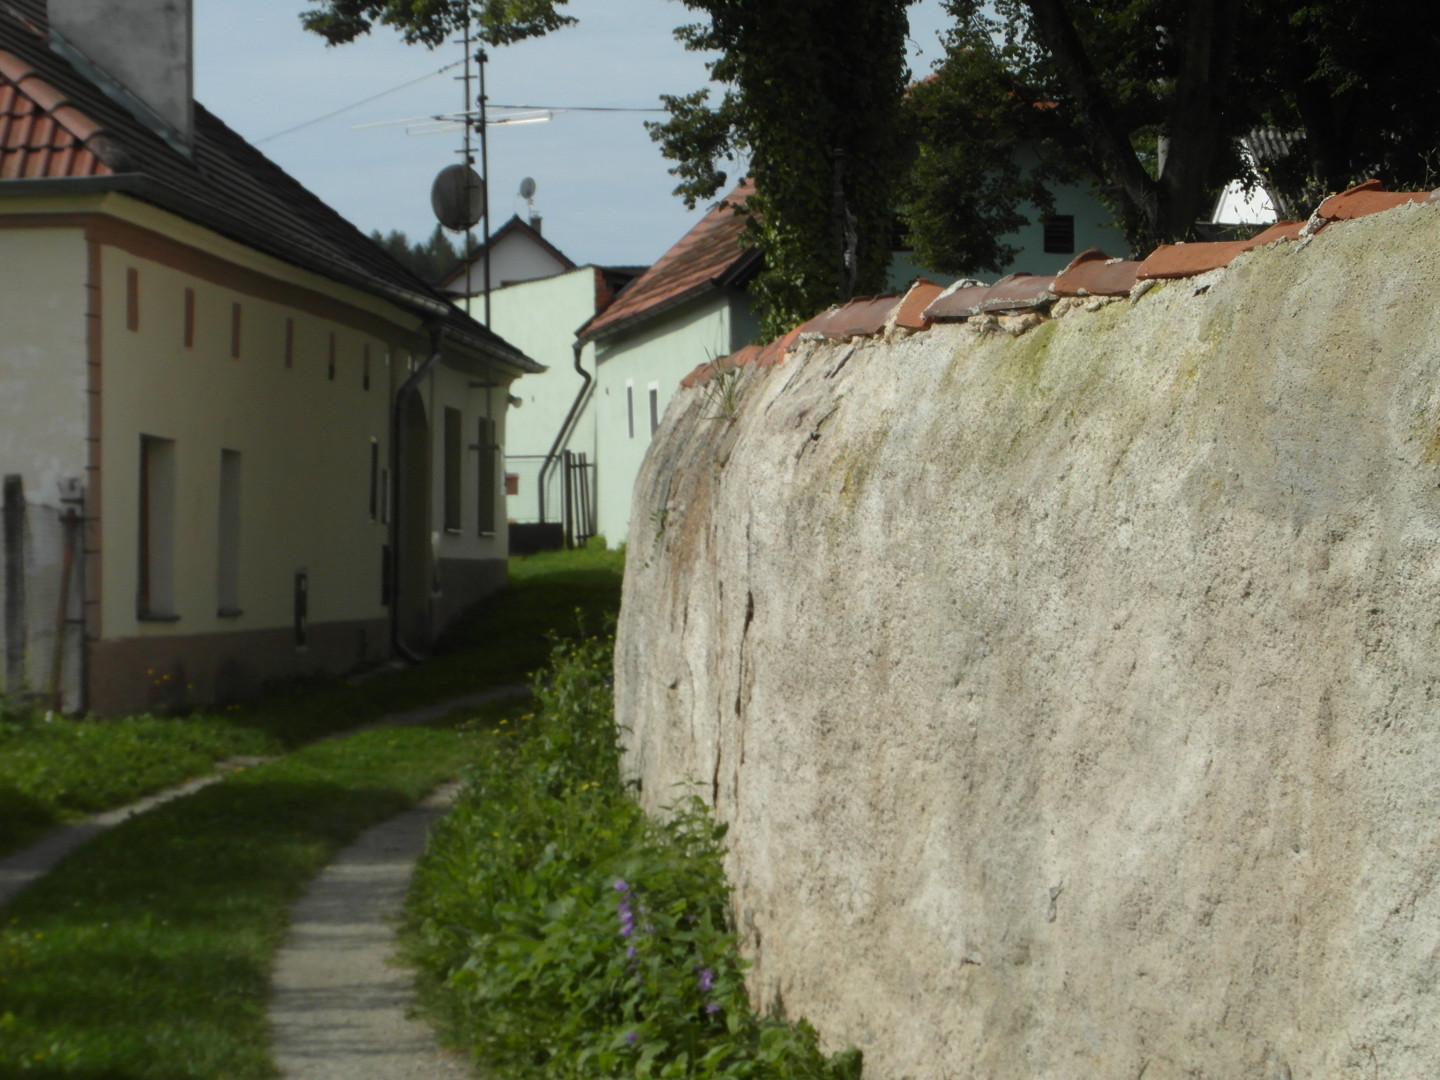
<point x="1072" y="696"/>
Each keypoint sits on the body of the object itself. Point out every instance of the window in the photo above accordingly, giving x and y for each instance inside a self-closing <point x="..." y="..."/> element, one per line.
<point x="155" y="587"/>
<point x="132" y="299"/>
<point x="189" y="318"/>
<point x="235" y="331"/>
<point x="654" y="389"/>
<point x="374" y="478"/>
<point x="630" y="405"/>
<point x="330" y="363"/>
<point x="452" y="470"/>
<point x="227" y="559"/>
<point x="289" y="343"/>
<point x="1060" y="235"/>
<point x="365" y="371"/>
<point x="487" y="492"/>
<point x="301" y="603"/>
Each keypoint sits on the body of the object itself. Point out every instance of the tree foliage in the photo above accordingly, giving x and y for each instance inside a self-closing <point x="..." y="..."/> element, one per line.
<point x="810" y="100"/>
<point x="431" y="22"/>
<point x="1107" y="85"/>
<point x="429" y="259"/>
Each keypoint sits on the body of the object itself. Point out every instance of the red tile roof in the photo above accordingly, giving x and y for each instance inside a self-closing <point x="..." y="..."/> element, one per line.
<point x="709" y="256"/>
<point x="41" y="135"/>
<point x="860" y="317"/>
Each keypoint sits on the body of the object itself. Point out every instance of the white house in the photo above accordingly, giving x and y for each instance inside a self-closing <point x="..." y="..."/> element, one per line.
<point x="238" y="441"/>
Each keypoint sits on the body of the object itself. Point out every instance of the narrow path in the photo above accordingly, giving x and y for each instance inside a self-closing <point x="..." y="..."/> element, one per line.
<point x="338" y="1006"/>
<point x="21" y="868"/>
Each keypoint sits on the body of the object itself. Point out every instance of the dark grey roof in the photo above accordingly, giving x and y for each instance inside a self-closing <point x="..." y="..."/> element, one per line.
<point x="229" y="186"/>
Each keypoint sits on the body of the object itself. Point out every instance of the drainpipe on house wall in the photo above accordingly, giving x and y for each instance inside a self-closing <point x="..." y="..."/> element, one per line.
<point x="563" y="435"/>
<point x="437" y="336"/>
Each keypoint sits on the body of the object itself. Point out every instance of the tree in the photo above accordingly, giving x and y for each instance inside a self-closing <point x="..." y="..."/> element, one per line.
<point x="431" y="22"/>
<point x="1151" y="99"/>
<point x="811" y="99"/>
<point x="429" y="260"/>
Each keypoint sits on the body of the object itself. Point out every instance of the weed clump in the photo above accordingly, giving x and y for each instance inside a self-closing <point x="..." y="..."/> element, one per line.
<point x="562" y="933"/>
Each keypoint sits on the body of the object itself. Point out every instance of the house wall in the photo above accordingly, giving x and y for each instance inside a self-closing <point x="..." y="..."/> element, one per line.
<point x="97" y="296"/>
<point x="42" y="448"/>
<point x="285" y="389"/>
<point x="514" y="258"/>
<point x="1094" y="227"/>
<point x="540" y="319"/>
<point x="655" y="357"/>
<point x="469" y="563"/>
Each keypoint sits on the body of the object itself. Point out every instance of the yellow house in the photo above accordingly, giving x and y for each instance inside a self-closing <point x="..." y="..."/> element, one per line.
<point x="237" y="441"/>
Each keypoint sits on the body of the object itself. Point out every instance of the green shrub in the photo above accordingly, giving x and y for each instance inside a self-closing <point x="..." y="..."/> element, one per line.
<point x="563" y="934"/>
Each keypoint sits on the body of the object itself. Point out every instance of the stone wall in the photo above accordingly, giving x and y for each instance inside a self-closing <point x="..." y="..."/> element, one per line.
<point x="1072" y="694"/>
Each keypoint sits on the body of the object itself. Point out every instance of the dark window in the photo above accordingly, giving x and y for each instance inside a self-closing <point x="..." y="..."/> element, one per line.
<point x="302" y="608"/>
<point x="330" y="362"/>
<point x="155" y="585"/>
<point x="227" y="561"/>
<point x="654" y="408"/>
<point x="452" y="470"/>
<point x="374" y="478"/>
<point x="132" y="299"/>
<point x="488" y="494"/>
<point x="289" y="343"/>
<point x="1060" y="235"/>
<point x="189" y="318"/>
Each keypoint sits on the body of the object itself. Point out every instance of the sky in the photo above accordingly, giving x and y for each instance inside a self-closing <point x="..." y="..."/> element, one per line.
<point x="602" y="188"/>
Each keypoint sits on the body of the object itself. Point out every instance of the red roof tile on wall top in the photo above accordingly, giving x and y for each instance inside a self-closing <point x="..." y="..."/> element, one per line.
<point x="40" y="134"/>
<point x="1013" y="292"/>
<point x="702" y="257"/>
<point x="1093" y="273"/>
<point x="910" y="314"/>
<point x="959" y="301"/>
<point x="1190" y="260"/>
<point x="861" y="317"/>
<point x="1369" y="198"/>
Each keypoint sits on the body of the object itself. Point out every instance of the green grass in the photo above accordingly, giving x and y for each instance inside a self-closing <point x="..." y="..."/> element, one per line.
<point x="57" y="771"/>
<point x="147" y="954"/>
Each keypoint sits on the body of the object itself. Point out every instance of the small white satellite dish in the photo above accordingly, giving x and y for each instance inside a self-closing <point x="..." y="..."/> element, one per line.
<point x="527" y="188"/>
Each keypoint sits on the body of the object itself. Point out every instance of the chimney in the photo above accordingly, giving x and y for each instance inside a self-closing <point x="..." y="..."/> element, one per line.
<point x="139" y="51"/>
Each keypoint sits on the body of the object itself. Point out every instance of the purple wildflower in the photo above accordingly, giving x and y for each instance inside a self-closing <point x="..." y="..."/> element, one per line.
<point x="713" y="1007"/>
<point x="621" y="886"/>
<point x="631" y="1037"/>
<point x="707" y="980"/>
<point x="627" y="920"/>
<point x="631" y="952"/>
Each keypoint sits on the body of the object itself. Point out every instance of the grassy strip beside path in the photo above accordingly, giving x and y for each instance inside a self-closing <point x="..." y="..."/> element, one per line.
<point x="56" y="771"/>
<point x="147" y="955"/>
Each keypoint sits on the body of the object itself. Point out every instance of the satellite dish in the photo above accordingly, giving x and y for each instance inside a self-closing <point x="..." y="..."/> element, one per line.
<point x="527" y="188"/>
<point x="458" y="197"/>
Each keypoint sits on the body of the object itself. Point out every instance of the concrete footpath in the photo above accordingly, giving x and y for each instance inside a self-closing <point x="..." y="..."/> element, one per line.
<point x="338" y="1005"/>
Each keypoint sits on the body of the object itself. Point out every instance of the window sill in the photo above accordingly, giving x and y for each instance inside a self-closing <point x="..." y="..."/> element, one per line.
<point x="229" y="613"/>
<point x="155" y="616"/>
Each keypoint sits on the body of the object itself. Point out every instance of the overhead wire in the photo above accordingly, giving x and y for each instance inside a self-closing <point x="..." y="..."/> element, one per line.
<point x="357" y="104"/>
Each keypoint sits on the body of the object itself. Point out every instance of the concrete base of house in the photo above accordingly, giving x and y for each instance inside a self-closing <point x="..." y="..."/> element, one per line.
<point x="176" y="671"/>
<point x="464" y="583"/>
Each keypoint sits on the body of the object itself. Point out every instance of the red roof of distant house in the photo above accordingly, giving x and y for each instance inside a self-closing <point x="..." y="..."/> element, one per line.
<point x="709" y="256"/>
